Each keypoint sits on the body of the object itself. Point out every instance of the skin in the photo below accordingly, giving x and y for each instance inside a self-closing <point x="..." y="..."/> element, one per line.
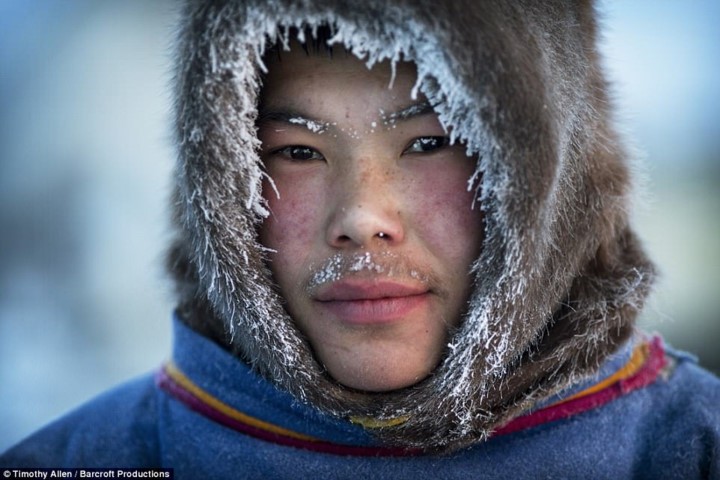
<point x="371" y="227"/>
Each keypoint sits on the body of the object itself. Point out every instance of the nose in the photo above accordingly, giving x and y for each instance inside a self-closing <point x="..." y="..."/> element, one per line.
<point x="367" y="209"/>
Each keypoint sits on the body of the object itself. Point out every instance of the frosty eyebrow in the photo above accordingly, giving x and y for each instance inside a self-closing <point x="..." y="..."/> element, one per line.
<point x="411" y="111"/>
<point x="293" y="117"/>
<point x="285" y="116"/>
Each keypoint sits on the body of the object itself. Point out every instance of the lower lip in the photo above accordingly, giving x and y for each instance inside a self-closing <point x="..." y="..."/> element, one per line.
<point x="376" y="311"/>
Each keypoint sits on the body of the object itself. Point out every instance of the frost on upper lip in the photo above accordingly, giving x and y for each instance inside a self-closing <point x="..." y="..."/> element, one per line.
<point x="351" y="289"/>
<point x="370" y="275"/>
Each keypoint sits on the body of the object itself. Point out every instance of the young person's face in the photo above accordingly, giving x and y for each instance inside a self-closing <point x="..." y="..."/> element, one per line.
<point x="371" y="224"/>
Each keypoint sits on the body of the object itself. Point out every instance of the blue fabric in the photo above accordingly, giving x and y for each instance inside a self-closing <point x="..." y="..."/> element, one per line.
<point x="670" y="429"/>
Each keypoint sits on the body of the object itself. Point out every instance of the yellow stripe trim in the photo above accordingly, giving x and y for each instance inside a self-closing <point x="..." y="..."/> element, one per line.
<point x="637" y="360"/>
<point x="174" y="372"/>
<point x="372" y="422"/>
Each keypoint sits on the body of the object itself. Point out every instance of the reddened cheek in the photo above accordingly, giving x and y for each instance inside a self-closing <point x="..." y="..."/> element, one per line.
<point x="294" y="216"/>
<point x="442" y="206"/>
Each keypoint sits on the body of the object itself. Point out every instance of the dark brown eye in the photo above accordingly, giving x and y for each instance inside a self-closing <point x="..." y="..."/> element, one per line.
<point x="299" y="153"/>
<point x="427" y="144"/>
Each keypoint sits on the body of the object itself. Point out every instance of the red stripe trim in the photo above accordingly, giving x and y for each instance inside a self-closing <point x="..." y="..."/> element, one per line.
<point x="642" y="378"/>
<point x="167" y="383"/>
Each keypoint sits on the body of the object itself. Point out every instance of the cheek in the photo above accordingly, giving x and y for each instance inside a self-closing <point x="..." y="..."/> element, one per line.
<point x="292" y="226"/>
<point x="441" y="206"/>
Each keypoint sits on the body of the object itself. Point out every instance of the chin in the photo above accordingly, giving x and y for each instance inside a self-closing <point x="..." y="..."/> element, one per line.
<point x="379" y="378"/>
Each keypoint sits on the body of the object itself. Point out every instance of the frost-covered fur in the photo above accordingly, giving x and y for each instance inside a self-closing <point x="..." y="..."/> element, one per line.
<point x="561" y="276"/>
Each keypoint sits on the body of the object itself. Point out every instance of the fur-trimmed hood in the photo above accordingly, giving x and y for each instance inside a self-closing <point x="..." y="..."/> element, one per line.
<point x="561" y="276"/>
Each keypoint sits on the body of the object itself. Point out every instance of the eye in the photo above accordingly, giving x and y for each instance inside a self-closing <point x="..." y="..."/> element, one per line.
<point x="426" y="144"/>
<point x="298" y="153"/>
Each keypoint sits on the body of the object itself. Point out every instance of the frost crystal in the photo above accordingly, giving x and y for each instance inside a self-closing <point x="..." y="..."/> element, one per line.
<point x="377" y="264"/>
<point x="313" y="126"/>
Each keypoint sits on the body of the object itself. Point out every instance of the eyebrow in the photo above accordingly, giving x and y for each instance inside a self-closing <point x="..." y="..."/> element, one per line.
<point x="292" y="117"/>
<point x="411" y="111"/>
<point x="286" y="115"/>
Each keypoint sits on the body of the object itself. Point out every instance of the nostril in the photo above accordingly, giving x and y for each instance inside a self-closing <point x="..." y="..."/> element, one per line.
<point x="359" y="225"/>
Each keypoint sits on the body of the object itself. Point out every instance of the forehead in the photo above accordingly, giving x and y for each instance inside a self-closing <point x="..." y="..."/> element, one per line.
<point x="322" y="80"/>
<point x="337" y="58"/>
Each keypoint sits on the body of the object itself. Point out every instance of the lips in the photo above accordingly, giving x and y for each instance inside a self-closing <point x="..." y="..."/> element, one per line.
<point x="364" y="302"/>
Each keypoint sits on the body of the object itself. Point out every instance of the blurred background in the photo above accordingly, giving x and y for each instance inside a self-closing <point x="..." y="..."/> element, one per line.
<point x="86" y="156"/>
